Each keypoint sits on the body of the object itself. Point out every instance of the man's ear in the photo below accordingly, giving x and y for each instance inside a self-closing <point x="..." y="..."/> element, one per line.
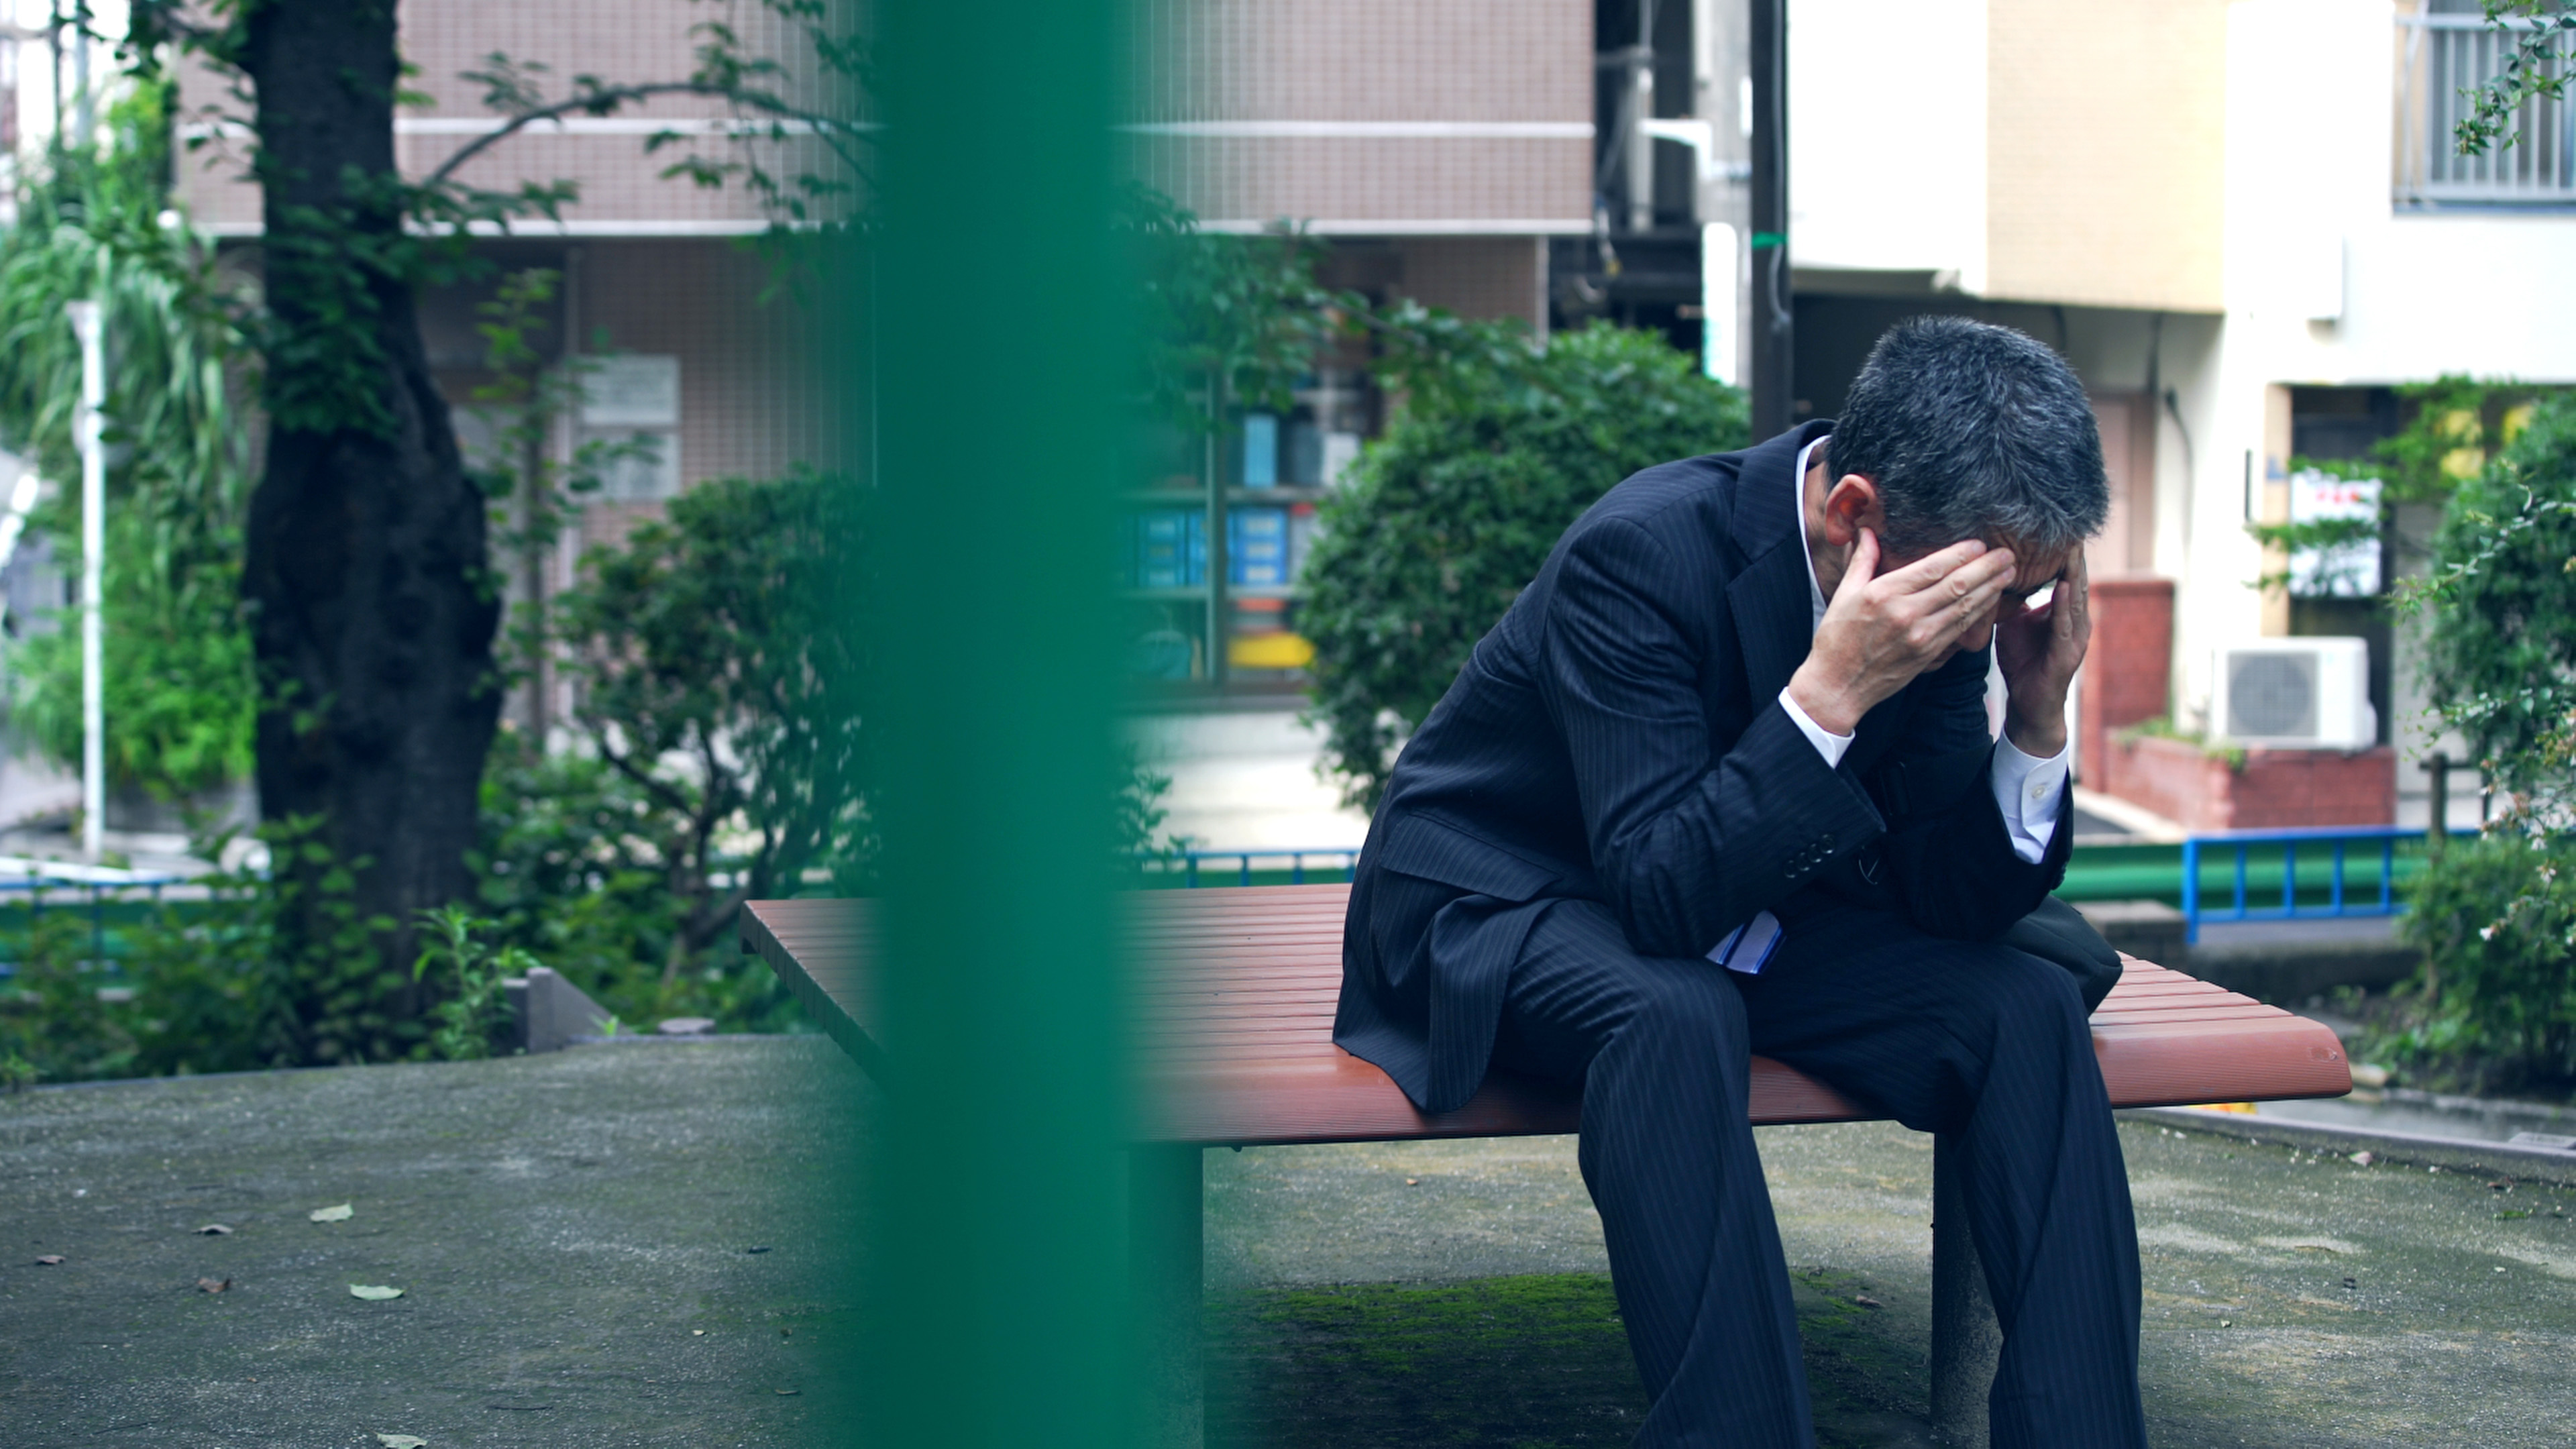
<point x="1850" y="506"/>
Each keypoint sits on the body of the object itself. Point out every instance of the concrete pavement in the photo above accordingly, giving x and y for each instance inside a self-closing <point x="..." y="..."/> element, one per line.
<point x="574" y="1233"/>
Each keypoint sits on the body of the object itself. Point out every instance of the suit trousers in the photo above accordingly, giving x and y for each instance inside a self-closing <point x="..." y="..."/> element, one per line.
<point x="1973" y="1039"/>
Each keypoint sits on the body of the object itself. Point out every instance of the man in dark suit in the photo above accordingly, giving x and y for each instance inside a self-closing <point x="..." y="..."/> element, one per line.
<point x="1721" y="783"/>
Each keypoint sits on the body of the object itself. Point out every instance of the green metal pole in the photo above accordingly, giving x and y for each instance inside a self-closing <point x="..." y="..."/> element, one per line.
<point x="997" y="1289"/>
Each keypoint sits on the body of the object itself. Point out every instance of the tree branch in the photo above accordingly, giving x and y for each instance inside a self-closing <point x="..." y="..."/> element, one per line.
<point x="608" y="98"/>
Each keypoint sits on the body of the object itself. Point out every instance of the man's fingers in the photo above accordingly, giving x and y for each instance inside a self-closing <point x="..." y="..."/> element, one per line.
<point x="1862" y="566"/>
<point x="1932" y="567"/>
<point x="1979" y="575"/>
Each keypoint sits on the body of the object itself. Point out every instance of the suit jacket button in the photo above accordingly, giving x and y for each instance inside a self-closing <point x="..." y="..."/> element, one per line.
<point x="1825" y="842"/>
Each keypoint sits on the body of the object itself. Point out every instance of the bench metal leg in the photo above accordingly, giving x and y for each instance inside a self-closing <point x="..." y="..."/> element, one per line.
<point x="1965" y="1338"/>
<point x="1166" y="1255"/>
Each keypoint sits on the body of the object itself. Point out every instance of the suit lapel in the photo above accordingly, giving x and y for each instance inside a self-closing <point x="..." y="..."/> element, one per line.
<point x="1773" y="612"/>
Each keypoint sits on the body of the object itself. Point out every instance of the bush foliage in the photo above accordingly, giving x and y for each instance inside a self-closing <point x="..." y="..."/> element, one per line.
<point x="180" y="691"/>
<point x="2497" y="917"/>
<point x="1499" y="446"/>
<point x="714" y="659"/>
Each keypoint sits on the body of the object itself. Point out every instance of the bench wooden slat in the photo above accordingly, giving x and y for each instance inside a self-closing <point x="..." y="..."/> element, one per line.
<point x="1236" y="989"/>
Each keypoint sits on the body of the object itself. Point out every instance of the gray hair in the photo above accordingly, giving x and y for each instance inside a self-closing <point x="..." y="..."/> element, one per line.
<point x="1973" y="431"/>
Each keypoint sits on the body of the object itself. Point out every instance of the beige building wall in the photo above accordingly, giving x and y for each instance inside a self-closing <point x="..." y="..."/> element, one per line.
<point x="1370" y="116"/>
<point x="2105" y="152"/>
<point x="749" y="398"/>
<point x="622" y="191"/>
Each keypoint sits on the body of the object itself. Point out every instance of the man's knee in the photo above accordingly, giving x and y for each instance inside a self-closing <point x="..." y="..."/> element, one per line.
<point x="2025" y="998"/>
<point x="1687" y="1003"/>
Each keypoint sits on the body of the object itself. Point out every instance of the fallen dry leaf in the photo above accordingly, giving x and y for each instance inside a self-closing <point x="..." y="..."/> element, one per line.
<point x="786" y="1392"/>
<point x="1865" y="1301"/>
<point x="402" y="1441"/>
<point x="214" y="1230"/>
<point x="372" y="1293"/>
<point x="48" y="1260"/>
<point x="339" y="1214"/>
<point x="214" y="1285"/>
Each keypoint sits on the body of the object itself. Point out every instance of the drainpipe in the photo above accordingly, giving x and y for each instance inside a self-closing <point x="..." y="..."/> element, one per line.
<point x="1773" y="413"/>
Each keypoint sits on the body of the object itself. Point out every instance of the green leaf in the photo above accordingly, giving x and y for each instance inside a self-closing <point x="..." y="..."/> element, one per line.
<point x="373" y="1294"/>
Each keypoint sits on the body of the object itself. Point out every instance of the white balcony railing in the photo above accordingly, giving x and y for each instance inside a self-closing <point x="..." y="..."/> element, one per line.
<point x="2439" y="58"/>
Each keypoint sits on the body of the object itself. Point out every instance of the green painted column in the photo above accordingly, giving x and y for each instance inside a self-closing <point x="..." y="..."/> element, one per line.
<point x="996" y="1288"/>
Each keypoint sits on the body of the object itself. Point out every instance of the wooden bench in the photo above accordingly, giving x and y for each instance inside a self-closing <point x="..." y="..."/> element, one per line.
<point x="1237" y="994"/>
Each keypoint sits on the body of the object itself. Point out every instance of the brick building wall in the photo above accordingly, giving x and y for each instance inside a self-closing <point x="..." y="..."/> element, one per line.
<point x="619" y="41"/>
<point x="2128" y="666"/>
<point x="1477" y="276"/>
<point x="1366" y="117"/>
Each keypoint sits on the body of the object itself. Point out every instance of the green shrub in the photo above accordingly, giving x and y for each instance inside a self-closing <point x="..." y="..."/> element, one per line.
<point x="2496" y="917"/>
<point x="2497" y="1000"/>
<point x="180" y="689"/>
<point x="715" y="757"/>
<point x="53" y="1026"/>
<point x="571" y="869"/>
<point x="1498" y="448"/>
<point x="475" y="1011"/>
<point x="2500" y="639"/>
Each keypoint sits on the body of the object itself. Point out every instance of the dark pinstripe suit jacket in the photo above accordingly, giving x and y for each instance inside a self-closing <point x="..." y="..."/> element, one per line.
<point x="1618" y="737"/>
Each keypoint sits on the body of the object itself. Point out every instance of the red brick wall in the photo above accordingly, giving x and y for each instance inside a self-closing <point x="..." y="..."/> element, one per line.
<point x="2128" y="668"/>
<point x="2276" y="789"/>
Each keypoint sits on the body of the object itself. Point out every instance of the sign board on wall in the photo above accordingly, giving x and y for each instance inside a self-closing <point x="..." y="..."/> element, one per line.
<point x="2344" y="570"/>
<point x="630" y="413"/>
<point x="627" y="390"/>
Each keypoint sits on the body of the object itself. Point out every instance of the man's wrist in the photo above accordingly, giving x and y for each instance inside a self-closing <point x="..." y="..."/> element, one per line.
<point x="2041" y="739"/>
<point x="1825" y="704"/>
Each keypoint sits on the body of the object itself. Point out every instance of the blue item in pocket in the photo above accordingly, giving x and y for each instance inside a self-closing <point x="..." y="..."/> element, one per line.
<point x="1747" y="948"/>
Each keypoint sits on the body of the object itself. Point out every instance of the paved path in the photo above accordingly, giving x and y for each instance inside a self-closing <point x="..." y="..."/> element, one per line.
<point x="572" y="1235"/>
<point x="2290" y="1300"/>
<point x="573" y="1232"/>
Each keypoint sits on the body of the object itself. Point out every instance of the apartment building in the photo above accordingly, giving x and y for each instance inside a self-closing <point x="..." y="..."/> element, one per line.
<point x="2241" y="222"/>
<point x="688" y="339"/>
<point x="1438" y="147"/>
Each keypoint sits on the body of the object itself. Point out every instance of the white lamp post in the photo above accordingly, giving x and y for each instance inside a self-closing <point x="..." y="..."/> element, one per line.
<point x="87" y="430"/>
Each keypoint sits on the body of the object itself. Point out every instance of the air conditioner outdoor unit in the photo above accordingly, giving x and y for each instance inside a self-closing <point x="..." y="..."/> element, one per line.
<point x="2302" y="693"/>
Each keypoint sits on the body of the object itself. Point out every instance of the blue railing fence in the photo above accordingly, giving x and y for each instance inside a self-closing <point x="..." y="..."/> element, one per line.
<point x="1211" y="867"/>
<point x="2334" y="847"/>
<point x="39" y="884"/>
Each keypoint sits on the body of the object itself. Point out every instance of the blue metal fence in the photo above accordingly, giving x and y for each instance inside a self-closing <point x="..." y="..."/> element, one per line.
<point x="2378" y="896"/>
<point x="1193" y="866"/>
<point x="92" y="888"/>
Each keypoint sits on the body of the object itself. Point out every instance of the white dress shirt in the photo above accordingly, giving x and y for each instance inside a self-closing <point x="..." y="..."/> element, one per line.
<point x="2027" y="790"/>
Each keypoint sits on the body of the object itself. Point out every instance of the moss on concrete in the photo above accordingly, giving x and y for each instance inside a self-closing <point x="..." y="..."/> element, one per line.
<point x="2455" y="1328"/>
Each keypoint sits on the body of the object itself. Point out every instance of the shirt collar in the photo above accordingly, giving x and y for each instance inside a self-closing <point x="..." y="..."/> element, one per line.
<point x="1798" y="483"/>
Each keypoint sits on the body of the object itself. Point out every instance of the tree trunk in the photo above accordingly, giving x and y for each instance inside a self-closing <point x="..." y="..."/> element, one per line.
<point x="372" y="613"/>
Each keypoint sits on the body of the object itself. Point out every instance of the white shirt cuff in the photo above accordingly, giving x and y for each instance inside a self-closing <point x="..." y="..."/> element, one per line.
<point x="1827" y="743"/>
<point x="2030" y="792"/>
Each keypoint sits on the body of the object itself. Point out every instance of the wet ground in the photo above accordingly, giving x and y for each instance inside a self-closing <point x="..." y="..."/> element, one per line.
<point x="574" y="1236"/>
